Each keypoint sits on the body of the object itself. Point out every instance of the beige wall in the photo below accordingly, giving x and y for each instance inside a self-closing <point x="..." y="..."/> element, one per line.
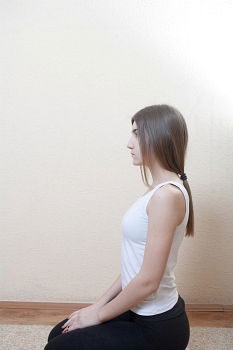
<point x="72" y="75"/>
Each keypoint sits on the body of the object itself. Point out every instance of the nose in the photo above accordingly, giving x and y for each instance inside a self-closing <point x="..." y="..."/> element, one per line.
<point x="130" y="143"/>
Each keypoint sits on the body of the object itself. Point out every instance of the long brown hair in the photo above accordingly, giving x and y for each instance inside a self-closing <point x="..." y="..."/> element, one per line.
<point x="163" y="135"/>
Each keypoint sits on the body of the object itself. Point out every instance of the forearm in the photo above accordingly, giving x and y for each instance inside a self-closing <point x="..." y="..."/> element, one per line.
<point x="129" y="297"/>
<point x="111" y="293"/>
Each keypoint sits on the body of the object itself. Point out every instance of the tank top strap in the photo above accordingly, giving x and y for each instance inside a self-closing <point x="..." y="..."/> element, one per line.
<point x="182" y="188"/>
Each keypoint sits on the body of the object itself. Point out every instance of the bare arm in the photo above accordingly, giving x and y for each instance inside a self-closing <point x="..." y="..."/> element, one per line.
<point x="133" y="293"/>
<point x="111" y="292"/>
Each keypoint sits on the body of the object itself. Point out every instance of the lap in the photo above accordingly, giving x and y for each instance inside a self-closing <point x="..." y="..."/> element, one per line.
<point x="125" y="333"/>
<point x="117" y="333"/>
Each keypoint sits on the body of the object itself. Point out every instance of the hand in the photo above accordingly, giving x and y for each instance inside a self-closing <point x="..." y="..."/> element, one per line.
<point x="85" y="317"/>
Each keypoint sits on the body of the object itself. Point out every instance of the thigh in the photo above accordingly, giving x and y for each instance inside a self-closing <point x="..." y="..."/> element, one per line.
<point x="115" y="334"/>
<point x="57" y="330"/>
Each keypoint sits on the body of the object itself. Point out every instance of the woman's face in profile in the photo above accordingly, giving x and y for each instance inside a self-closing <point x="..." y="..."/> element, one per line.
<point x="133" y="145"/>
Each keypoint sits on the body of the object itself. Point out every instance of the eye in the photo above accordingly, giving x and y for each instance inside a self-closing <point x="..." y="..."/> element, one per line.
<point x="134" y="132"/>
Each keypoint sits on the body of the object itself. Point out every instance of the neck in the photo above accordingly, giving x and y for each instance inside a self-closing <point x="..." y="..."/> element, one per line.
<point x="160" y="175"/>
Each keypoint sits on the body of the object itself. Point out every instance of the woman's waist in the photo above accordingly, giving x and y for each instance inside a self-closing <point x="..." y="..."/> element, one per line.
<point x="175" y="311"/>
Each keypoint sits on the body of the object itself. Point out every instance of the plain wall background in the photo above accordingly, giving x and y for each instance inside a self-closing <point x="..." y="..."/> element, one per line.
<point x="72" y="75"/>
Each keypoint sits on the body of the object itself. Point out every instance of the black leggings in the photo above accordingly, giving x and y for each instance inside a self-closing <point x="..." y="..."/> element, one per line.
<point x="129" y="331"/>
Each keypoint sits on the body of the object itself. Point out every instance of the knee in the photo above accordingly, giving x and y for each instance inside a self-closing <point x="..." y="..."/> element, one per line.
<point x="52" y="345"/>
<point x="57" y="330"/>
<point x="48" y="347"/>
<point x="52" y="334"/>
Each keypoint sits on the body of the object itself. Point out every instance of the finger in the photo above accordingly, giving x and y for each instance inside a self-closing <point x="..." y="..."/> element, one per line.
<point x="65" y="330"/>
<point x="72" y="328"/>
<point x="68" y="329"/>
<point x="74" y="313"/>
<point x="64" y="324"/>
<point x="67" y="323"/>
<point x="69" y="320"/>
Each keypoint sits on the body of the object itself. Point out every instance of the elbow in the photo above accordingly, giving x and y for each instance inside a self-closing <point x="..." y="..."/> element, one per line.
<point x="148" y="284"/>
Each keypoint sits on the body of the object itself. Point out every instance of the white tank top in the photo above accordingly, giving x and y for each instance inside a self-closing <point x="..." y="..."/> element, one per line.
<point x="134" y="229"/>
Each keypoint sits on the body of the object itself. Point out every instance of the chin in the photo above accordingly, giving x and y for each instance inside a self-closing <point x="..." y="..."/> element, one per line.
<point x="137" y="163"/>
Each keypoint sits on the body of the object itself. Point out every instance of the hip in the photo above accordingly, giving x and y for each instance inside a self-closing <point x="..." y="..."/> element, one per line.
<point x="162" y="331"/>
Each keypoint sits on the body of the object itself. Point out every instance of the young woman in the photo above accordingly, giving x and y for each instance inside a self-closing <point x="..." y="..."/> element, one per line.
<point x="142" y="310"/>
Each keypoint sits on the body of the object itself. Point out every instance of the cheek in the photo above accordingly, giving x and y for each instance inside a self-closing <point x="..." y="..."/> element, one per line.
<point x="138" y="149"/>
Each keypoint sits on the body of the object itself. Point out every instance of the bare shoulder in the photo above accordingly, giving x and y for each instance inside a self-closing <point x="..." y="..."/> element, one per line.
<point x="167" y="193"/>
<point x="169" y="199"/>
